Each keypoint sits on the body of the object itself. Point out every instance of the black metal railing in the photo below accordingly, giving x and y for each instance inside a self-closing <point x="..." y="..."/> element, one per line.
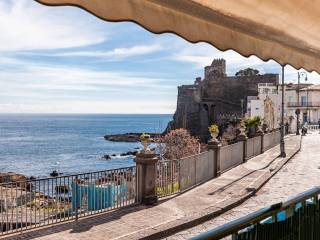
<point x="168" y="177"/>
<point x="303" y="104"/>
<point x="297" y="218"/>
<point x="35" y="203"/>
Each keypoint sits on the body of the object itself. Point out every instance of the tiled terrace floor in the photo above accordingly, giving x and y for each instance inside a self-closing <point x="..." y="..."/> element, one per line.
<point x="298" y="175"/>
<point x="140" y="221"/>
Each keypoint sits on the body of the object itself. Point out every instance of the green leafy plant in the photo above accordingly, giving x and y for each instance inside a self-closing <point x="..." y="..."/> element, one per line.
<point x="254" y="121"/>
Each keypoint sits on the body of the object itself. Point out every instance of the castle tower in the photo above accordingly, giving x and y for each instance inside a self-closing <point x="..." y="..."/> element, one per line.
<point x="217" y="68"/>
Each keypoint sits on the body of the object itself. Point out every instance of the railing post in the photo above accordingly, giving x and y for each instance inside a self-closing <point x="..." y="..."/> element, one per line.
<point x="146" y="177"/>
<point x="215" y="146"/>
<point x="77" y="198"/>
<point x="262" y="142"/>
<point x="242" y="137"/>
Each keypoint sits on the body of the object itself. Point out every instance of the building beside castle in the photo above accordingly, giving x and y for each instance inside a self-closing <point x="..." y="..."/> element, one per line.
<point x="214" y="98"/>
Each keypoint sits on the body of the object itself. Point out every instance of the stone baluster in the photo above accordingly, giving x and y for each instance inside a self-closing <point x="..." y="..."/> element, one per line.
<point x="260" y="133"/>
<point x="242" y="137"/>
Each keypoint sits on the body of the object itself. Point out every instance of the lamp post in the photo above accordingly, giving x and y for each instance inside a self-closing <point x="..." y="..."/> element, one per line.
<point x="300" y="74"/>
<point x="242" y="101"/>
<point x="308" y="112"/>
<point x="282" y="147"/>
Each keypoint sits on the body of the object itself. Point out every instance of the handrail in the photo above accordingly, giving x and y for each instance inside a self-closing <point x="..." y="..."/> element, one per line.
<point x="68" y="175"/>
<point x="238" y="224"/>
<point x="303" y="104"/>
<point x="243" y="222"/>
<point x="301" y="197"/>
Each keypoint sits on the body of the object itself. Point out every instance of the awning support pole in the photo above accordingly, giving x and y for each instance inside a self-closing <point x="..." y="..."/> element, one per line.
<point x="282" y="147"/>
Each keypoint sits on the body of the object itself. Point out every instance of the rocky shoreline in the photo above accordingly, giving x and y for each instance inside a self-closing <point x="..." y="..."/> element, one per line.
<point x="127" y="137"/>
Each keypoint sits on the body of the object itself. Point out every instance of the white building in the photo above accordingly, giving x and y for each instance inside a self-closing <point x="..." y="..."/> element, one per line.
<point x="266" y="105"/>
<point x="308" y="103"/>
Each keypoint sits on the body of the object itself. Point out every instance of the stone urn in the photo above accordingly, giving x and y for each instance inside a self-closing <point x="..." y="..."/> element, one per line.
<point x="214" y="135"/>
<point x="145" y="145"/>
<point x="145" y="141"/>
<point x="214" y="132"/>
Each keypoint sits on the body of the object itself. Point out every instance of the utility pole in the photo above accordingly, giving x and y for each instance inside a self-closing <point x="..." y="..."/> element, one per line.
<point x="282" y="146"/>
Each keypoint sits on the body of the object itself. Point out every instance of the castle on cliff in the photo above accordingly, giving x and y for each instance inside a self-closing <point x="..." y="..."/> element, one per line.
<point x="214" y="98"/>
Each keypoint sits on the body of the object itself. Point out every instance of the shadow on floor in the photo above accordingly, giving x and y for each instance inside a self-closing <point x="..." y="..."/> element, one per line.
<point x="82" y="225"/>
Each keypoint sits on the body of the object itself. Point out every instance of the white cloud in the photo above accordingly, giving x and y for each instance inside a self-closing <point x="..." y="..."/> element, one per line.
<point x="116" y="106"/>
<point x="36" y="88"/>
<point x="27" y="25"/>
<point x="117" y="53"/>
<point x="202" y="54"/>
<point x="50" y="77"/>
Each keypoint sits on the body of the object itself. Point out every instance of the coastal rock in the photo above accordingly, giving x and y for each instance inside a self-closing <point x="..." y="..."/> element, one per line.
<point x="15" y="179"/>
<point x="127" y="137"/>
<point x="12" y="177"/>
<point x="130" y="153"/>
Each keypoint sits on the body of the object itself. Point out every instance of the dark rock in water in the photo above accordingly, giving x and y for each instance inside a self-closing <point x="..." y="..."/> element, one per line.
<point x="127" y="137"/>
<point x="54" y="173"/>
<point x="62" y="189"/>
<point x="130" y="153"/>
<point x="114" y="155"/>
<point x="137" y="148"/>
<point x="107" y="157"/>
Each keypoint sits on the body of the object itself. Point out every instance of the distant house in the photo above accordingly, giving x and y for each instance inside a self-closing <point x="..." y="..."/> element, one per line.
<point x="308" y="103"/>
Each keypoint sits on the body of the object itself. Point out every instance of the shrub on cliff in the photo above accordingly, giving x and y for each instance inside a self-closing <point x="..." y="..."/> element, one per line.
<point x="179" y="143"/>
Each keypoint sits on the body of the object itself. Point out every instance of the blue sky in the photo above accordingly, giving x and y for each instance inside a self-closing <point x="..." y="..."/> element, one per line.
<point x="64" y="60"/>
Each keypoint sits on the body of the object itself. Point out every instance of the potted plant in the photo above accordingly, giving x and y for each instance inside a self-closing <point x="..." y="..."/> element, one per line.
<point x="145" y="141"/>
<point x="252" y="125"/>
<point x="214" y="131"/>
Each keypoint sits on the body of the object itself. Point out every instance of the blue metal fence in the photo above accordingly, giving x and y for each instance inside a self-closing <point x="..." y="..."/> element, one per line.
<point x="30" y="204"/>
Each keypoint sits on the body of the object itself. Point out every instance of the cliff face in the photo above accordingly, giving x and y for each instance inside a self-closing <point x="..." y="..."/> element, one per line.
<point x="215" y="97"/>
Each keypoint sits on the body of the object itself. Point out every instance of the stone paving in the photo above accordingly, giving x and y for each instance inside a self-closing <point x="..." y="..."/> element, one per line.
<point x="298" y="175"/>
<point x="185" y="210"/>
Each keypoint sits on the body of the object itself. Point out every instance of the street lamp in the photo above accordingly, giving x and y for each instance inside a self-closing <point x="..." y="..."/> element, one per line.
<point x="300" y="74"/>
<point x="242" y="101"/>
<point x="282" y="147"/>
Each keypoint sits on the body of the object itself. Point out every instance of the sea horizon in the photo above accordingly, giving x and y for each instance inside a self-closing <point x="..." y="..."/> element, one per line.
<point x="36" y="144"/>
<point x="86" y="113"/>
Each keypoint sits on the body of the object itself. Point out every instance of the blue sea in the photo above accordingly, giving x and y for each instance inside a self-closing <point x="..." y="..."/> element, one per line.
<point x="35" y="145"/>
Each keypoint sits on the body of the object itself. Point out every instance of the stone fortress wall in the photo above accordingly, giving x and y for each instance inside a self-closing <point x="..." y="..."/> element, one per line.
<point x="205" y="101"/>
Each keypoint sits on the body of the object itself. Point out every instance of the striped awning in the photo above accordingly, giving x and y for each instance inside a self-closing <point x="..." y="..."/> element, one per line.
<point x="287" y="31"/>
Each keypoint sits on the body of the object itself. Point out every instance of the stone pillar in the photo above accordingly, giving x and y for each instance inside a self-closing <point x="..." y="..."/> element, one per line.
<point x="242" y="137"/>
<point x="146" y="177"/>
<point x="260" y="133"/>
<point x="215" y="146"/>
